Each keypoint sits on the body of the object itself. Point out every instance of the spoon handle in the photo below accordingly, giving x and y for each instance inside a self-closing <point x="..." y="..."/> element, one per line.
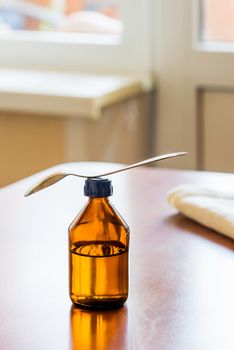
<point x="144" y="162"/>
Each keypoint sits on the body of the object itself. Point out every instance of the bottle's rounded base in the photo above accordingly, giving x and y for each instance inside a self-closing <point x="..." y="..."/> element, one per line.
<point x="99" y="303"/>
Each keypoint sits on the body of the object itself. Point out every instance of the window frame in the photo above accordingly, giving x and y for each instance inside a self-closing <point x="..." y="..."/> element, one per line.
<point x="184" y="67"/>
<point x="206" y="46"/>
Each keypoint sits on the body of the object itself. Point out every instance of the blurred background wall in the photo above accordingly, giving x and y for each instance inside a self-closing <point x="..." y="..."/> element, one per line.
<point x="32" y="142"/>
<point x="184" y="46"/>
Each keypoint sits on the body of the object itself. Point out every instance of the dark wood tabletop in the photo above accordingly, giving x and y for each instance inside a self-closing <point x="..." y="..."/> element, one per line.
<point x="181" y="274"/>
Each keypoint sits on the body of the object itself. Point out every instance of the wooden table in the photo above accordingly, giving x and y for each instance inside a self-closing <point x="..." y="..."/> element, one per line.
<point x="181" y="279"/>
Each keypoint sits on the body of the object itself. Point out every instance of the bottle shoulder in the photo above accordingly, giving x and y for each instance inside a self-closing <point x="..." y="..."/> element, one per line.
<point x="99" y="211"/>
<point x="78" y="216"/>
<point x="119" y="217"/>
<point x="98" y="221"/>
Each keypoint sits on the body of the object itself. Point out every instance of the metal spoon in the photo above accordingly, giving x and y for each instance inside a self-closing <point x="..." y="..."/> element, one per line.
<point x="56" y="177"/>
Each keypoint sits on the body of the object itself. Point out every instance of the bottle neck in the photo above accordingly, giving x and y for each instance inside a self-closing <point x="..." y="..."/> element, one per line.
<point x="99" y="200"/>
<point x="98" y="206"/>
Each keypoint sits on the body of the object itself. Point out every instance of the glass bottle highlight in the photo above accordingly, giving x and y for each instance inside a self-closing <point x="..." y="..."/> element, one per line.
<point x="98" y="250"/>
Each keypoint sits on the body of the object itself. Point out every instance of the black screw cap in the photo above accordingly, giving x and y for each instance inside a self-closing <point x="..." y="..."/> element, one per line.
<point x="97" y="188"/>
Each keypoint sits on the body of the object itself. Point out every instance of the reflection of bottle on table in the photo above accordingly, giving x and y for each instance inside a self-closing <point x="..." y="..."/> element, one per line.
<point x="99" y="330"/>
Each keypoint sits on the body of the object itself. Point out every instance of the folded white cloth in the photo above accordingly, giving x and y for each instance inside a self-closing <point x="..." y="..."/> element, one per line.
<point x="211" y="208"/>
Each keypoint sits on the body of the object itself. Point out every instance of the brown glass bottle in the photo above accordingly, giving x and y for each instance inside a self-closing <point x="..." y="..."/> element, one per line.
<point x="98" y="242"/>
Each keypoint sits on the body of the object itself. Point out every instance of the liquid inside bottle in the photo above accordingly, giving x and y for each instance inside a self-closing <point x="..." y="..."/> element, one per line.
<point x="98" y="252"/>
<point x="101" y="273"/>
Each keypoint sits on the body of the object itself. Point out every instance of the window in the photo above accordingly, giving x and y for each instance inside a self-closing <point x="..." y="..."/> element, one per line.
<point x="217" y="20"/>
<point x="85" y="16"/>
<point x="104" y="35"/>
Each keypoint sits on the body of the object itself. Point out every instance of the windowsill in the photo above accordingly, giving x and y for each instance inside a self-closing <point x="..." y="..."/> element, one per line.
<point x="215" y="46"/>
<point x="66" y="94"/>
<point x="62" y="38"/>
